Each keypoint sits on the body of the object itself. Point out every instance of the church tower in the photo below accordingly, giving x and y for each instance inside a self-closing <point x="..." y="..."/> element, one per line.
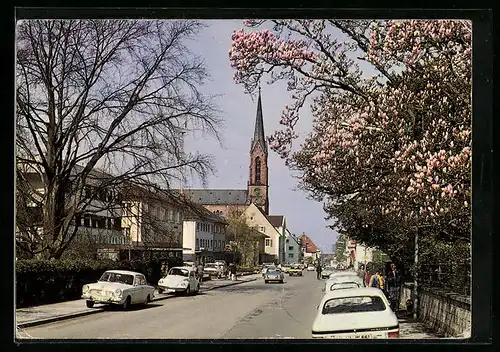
<point x="258" y="185"/>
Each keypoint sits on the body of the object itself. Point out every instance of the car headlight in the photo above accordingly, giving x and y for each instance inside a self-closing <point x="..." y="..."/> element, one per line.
<point x="118" y="292"/>
<point x="85" y="288"/>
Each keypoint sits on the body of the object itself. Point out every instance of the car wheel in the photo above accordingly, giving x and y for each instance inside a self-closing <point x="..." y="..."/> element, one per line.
<point x="126" y="304"/>
<point x="188" y="291"/>
<point x="90" y="304"/>
<point x="198" y="288"/>
<point x="148" y="299"/>
<point x="160" y="290"/>
<point x="265" y="281"/>
<point x="281" y="281"/>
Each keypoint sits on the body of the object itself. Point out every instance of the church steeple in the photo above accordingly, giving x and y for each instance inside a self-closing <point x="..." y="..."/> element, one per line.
<point x="258" y="182"/>
<point x="258" y="135"/>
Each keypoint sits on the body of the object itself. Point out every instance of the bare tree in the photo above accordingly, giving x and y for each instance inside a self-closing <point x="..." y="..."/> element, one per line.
<point x="117" y="95"/>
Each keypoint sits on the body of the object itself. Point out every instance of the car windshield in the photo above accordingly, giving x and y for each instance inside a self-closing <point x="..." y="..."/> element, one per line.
<point x="179" y="272"/>
<point x="354" y="305"/>
<point x="343" y="285"/>
<point x="211" y="265"/>
<point x="116" y="277"/>
<point x="273" y="272"/>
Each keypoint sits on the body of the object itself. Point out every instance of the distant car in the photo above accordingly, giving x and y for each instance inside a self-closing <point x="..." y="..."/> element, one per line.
<point x="311" y="268"/>
<point x="118" y="287"/>
<point x="285" y="268"/>
<point x="213" y="270"/>
<point x="295" y="270"/>
<point x="180" y="279"/>
<point x="358" y="313"/>
<point x="327" y="271"/>
<point x="266" y="267"/>
<point x="274" y="275"/>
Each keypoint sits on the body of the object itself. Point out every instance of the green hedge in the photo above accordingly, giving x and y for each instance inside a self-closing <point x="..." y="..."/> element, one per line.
<point x="51" y="281"/>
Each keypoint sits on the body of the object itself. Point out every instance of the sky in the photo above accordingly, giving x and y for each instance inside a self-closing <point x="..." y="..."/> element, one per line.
<point x="232" y="159"/>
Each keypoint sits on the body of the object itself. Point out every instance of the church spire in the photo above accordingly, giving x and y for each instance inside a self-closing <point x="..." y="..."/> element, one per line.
<point x="259" y="136"/>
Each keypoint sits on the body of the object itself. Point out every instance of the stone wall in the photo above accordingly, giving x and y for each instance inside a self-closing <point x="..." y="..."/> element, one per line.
<point x="445" y="313"/>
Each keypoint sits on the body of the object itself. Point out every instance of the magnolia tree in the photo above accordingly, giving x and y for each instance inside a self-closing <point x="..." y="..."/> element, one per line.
<point x="390" y="152"/>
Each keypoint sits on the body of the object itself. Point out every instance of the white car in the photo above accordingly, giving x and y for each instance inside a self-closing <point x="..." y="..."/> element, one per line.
<point x="327" y="271"/>
<point x="213" y="270"/>
<point x="311" y="268"/>
<point x="343" y="282"/>
<point x="358" y="313"/>
<point x="180" y="279"/>
<point x="343" y="273"/>
<point x="274" y="274"/>
<point x="118" y="287"/>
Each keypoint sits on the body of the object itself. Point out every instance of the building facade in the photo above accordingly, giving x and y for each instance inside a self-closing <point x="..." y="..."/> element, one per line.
<point x="293" y="253"/>
<point x="204" y="237"/>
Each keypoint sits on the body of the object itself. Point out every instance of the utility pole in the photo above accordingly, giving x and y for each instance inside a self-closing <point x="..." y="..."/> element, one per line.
<point x="415" y="277"/>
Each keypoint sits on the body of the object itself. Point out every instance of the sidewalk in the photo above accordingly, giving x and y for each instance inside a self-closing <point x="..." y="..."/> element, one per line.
<point x="414" y="329"/>
<point x="49" y="313"/>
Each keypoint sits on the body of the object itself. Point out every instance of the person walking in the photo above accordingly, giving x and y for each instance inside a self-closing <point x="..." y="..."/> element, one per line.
<point x="318" y="271"/>
<point x="199" y="270"/>
<point x="232" y="270"/>
<point x="378" y="280"/>
<point x="368" y="277"/>
<point x="394" y="286"/>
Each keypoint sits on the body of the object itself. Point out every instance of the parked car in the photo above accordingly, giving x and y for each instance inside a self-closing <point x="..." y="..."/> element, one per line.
<point x="358" y="313"/>
<point x="285" y="268"/>
<point x="343" y="279"/>
<point x="118" y="287"/>
<point x="274" y="274"/>
<point x="180" y="279"/>
<point x="295" y="270"/>
<point x="327" y="271"/>
<point x="213" y="270"/>
<point x="311" y="268"/>
<point x="343" y="273"/>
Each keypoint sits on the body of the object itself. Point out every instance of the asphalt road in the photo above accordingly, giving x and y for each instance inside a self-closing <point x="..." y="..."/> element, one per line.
<point x="248" y="310"/>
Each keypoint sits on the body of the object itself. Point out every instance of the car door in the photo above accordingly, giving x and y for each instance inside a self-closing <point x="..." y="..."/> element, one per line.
<point x="138" y="289"/>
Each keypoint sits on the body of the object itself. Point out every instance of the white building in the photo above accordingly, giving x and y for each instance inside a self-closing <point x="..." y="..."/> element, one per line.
<point x="204" y="235"/>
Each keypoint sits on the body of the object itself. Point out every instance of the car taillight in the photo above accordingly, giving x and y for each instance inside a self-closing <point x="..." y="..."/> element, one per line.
<point x="394" y="334"/>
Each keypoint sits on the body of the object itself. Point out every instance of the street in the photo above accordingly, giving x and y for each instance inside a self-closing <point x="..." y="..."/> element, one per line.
<point x="249" y="310"/>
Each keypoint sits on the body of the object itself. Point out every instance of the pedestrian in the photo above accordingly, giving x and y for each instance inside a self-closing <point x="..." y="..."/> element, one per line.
<point x="368" y="277"/>
<point x="394" y="286"/>
<point x="378" y="280"/>
<point x="232" y="270"/>
<point x="318" y="271"/>
<point x="199" y="270"/>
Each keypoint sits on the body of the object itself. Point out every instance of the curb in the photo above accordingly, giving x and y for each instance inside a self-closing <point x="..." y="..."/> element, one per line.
<point x="28" y="324"/>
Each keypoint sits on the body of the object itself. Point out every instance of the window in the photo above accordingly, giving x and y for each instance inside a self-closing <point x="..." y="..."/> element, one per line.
<point x="257" y="170"/>
<point x="197" y="243"/>
<point x="171" y="215"/>
<point x="178" y="216"/>
<point x="78" y="220"/>
<point x="146" y="207"/>
<point x="287" y="240"/>
<point x="262" y="229"/>
<point x="152" y="210"/>
<point x="211" y="244"/>
<point x="159" y="212"/>
<point x="95" y="221"/>
<point x="86" y="220"/>
<point x="290" y="248"/>
<point x="212" y="228"/>
<point x="88" y="191"/>
<point x="269" y="242"/>
<point x="354" y="305"/>
<point x="109" y="222"/>
<point x="197" y="226"/>
<point x="290" y="255"/>
<point x="118" y="223"/>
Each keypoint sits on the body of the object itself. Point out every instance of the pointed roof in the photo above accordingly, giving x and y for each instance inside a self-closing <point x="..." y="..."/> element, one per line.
<point x="307" y="243"/>
<point x="276" y="220"/>
<point x="258" y="135"/>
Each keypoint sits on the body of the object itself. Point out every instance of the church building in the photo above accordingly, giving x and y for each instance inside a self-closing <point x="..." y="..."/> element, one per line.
<point x="225" y="201"/>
